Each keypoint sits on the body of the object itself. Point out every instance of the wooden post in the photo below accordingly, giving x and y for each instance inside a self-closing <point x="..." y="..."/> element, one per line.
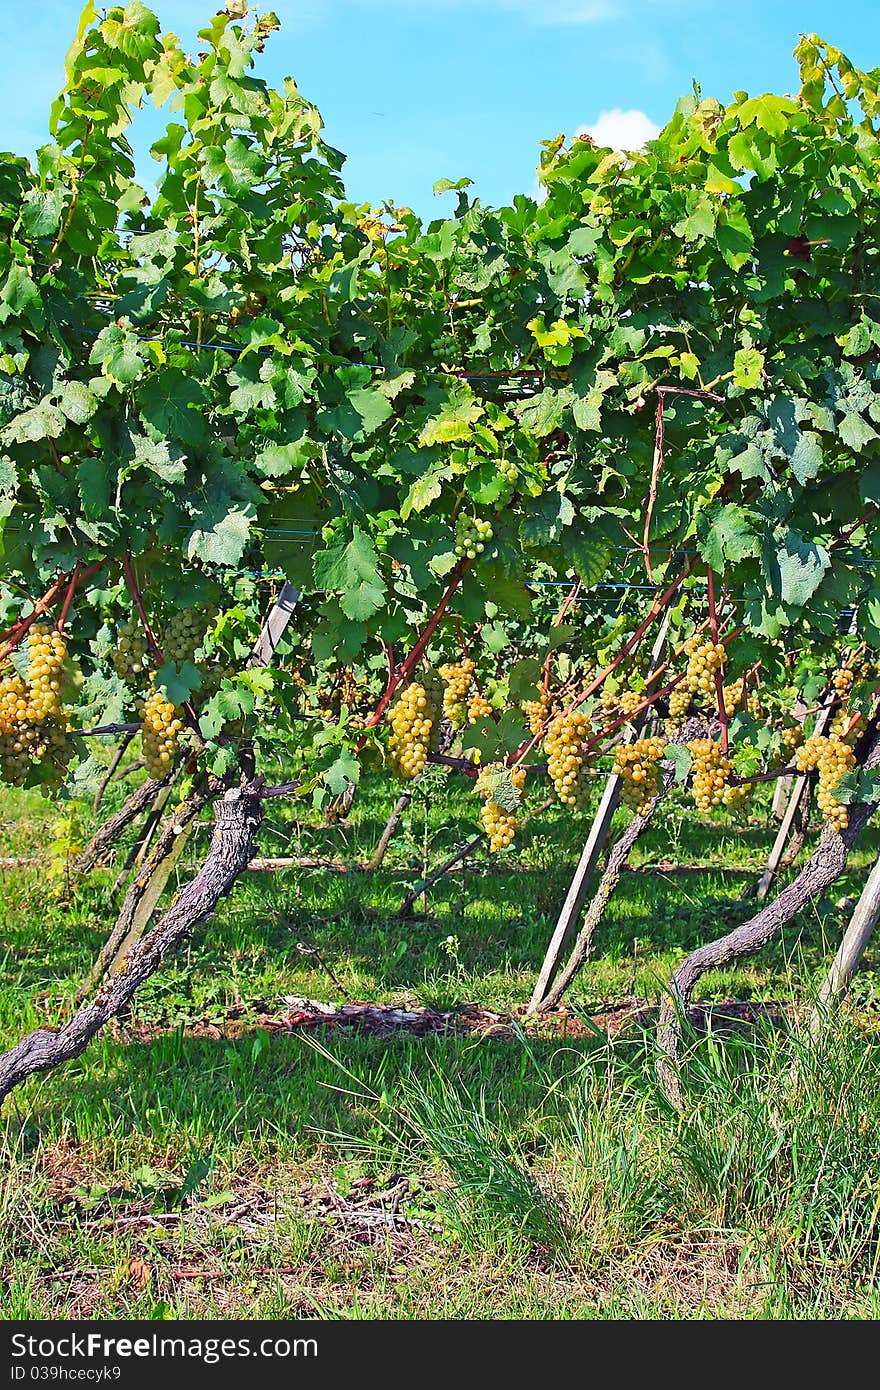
<point x="794" y="801"/>
<point x="576" y="895"/>
<point x="274" y="626"/>
<point x="852" y="948"/>
<point x="781" y="794"/>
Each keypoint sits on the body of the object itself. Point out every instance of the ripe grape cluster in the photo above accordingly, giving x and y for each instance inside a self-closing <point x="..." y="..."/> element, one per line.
<point x="832" y="758"/>
<point x="679" y="703"/>
<point x="478" y="708"/>
<point x="160" y="729"/>
<point x="414" y="727"/>
<point x="499" y="824"/>
<point x="792" y="736"/>
<point x="458" y="676"/>
<point x="734" y="694"/>
<point x="33" y="727"/>
<point x="471" y="536"/>
<point x="638" y="766"/>
<point x="629" y="701"/>
<point x="840" y="726"/>
<point x="704" y="659"/>
<point x="711" y="771"/>
<point x="842" y="680"/>
<point x="566" y="759"/>
<point x="536" y="711"/>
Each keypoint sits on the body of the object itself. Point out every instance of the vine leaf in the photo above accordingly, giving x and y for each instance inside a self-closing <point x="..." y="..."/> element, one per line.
<point x="352" y="569"/>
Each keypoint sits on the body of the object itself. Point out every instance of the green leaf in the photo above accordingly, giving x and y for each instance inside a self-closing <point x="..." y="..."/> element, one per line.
<point x="730" y="537"/>
<point x="177" y="683"/>
<point x="423" y="492"/>
<point x="78" y="402"/>
<point x="119" y="354"/>
<point x="855" y="431"/>
<point x="222" y="543"/>
<point x="279" y="460"/>
<point x="748" y="366"/>
<point x="497" y="783"/>
<point x="41" y="212"/>
<point x="681" y="758"/>
<point x="589" y="557"/>
<point x="807" y="457"/>
<point x="95" y="488"/>
<point x="734" y="235"/>
<point x="19" y="292"/>
<point x="341" y="773"/>
<point x="802" y="565"/>
<point x="44" y="421"/>
<point x="352" y="569"/>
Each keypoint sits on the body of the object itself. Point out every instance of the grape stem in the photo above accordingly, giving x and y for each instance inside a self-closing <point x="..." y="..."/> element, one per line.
<point x="68" y="598"/>
<point x="137" y="600"/>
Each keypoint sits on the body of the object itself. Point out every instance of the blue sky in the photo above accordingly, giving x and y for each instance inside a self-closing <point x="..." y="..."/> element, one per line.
<point x="414" y="91"/>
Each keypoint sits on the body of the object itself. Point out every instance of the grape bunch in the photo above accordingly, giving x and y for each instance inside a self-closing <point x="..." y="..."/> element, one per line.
<point x="414" y="726"/>
<point x="680" y="699"/>
<point x="792" y="736"/>
<point x="47" y="653"/>
<point x="507" y="469"/>
<point x="842" y="681"/>
<point x="734" y="694"/>
<point x="711" y="771"/>
<point x="184" y="633"/>
<point x="130" y="653"/>
<point x="840" y="726"/>
<point x="33" y="726"/>
<point x="459" y="676"/>
<point x="704" y="659"/>
<point x="566" y="759"/>
<point x="536" y="712"/>
<point x="160" y="728"/>
<point x="471" y="536"/>
<point x="832" y="758"/>
<point x="17" y="733"/>
<point x="629" y="701"/>
<point x="499" y="824"/>
<point x="478" y="708"/>
<point x="638" y="766"/>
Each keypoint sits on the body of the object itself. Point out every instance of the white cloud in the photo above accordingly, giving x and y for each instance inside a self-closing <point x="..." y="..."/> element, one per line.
<point x="621" y="130"/>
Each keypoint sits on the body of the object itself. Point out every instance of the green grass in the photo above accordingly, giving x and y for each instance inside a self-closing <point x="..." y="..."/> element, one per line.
<point x="524" y="1176"/>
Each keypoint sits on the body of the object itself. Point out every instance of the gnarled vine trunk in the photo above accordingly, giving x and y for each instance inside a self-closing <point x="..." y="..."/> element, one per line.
<point x="237" y="819"/>
<point x="824" y="866"/>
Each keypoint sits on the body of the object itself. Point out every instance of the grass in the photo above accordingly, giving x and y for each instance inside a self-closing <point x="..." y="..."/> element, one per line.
<point x="193" y="1165"/>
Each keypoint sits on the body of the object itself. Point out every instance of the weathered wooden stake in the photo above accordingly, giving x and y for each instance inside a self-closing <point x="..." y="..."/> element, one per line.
<point x="576" y="895"/>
